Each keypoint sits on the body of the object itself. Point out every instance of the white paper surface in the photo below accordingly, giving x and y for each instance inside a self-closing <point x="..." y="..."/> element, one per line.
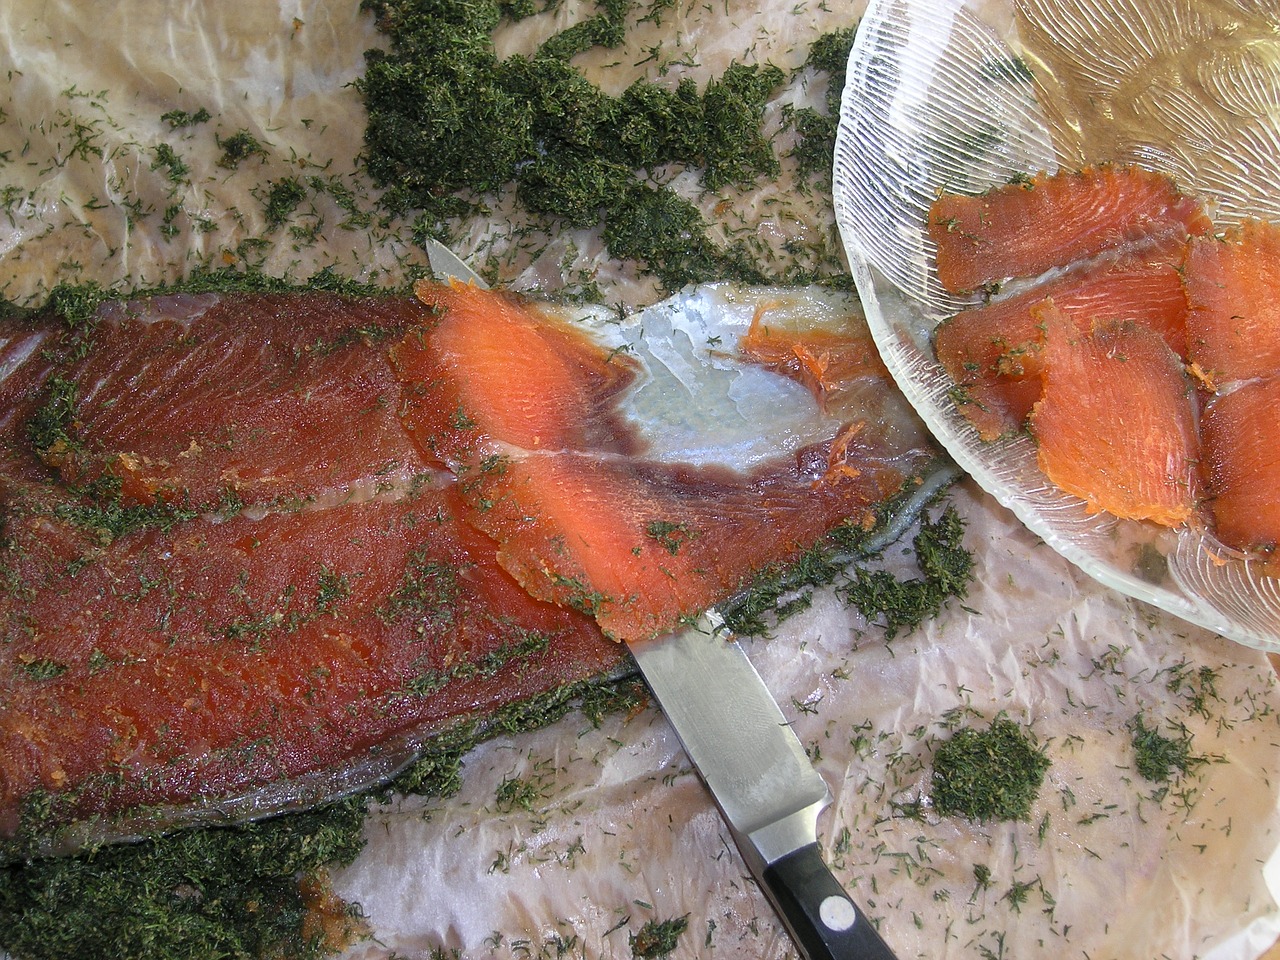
<point x="621" y="831"/>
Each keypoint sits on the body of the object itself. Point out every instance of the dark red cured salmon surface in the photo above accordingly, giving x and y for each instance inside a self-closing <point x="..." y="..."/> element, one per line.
<point x="257" y="546"/>
<point x="1026" y="228"/>
<point x="305" y="413"/>
<point x="1241" y="435"/>
<point x="1116" y="422"/>
<point x="994" y="352"/>
<point x="1233" y="287"/>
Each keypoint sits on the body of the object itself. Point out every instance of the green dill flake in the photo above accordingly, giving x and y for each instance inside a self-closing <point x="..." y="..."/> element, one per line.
<point x="515" y="793"/>
<point x="283" y="197"/>
<point x="670" y="536"/>
<point x="237" y="148"/>
<point x="167" y="159"/>
<point x="43" y="669"/>
<point x="331" y="588"/>
<point x="183" y="118"/>
<point x="51" y="427"/>
<point x="658" y="938"/>
<point x="992" y="774"/>
<point x="1158" y="756"/>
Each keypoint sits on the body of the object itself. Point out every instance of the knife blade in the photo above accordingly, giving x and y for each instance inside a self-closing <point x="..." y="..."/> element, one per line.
<point x="756" y="769"/>
<point x="750" y="759"/>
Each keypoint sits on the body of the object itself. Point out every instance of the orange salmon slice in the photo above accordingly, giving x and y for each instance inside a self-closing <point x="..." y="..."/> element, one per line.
<point x="1026" y="228"/>
<point x="1116" y="425"/>
<point x="1233" y="289"/>
<point x="1241" y="436"/>
<point x="995" y="352"/>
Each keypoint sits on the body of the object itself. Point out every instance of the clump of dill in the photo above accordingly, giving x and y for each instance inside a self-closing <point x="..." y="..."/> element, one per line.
<point x="658" y="938"/>
<point x="991" y="774"/>
<point x="1157" y="756"/>
<point x="450" y="123"/>
<point x="231" y="892"/>
<point x="946" y="568"/>
<point x="815" y="149"/>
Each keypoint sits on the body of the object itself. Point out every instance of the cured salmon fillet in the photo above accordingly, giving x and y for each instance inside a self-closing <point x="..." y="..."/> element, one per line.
<point x="1026" y="228"/>
<point x="640" y="545"/>
<point x="994" y="352"/>
<point x="1233" y="288"/>
<point x="258" y="549"/>
<point x="1116" y="423"/>
<point x="1242" y="451"/>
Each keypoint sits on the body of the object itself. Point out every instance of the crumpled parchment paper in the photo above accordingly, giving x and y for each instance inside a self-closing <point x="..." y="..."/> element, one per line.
<point x="616" y="830"/>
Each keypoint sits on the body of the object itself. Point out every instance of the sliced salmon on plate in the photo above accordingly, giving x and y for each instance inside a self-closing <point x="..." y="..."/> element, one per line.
<point x="1233" y="287"/>
<point x="1025" y="228"/>
<point x="1242" y="450"/>
<point x="994" y="352"/>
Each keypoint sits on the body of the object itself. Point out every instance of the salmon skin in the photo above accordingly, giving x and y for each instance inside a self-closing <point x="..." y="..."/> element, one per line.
<point x="258" y="550"/>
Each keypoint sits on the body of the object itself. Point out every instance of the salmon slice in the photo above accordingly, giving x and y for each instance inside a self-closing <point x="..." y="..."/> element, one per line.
<point x="1116" y="424"/>
<point x="192" y="406"/>
<point x="534" y="382"/>
<point x="1233" y="288"/>
<point x="1241" y="436"/>
<point x="639" y="545"/>
<point x="823" y="361"/>
<point x="207" y="660"/>
<point x="995" y="352"/>
<point x="1026" y="228"/>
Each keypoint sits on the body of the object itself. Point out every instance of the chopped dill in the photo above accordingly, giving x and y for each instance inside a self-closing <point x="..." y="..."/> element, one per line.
<point x="815" y="149"/>
<point x="1158" y="756"/>
<point x="44" y="669"/>
<point x="946" y="568"/>
<point x="283" y="197"/>
<point x="992" y="774"/>
<point x="450" y="123"/>
<point x="184" y="118"/>
<point x="237" y="148"/>
<point x="167" y="159"/>
<point x="658" y="938"/>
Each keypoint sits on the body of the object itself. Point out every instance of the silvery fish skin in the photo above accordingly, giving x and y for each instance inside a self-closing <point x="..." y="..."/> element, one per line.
<point x="274" y="583"/>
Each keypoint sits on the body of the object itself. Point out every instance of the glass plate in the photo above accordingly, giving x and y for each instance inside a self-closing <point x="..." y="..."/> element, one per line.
<point x="962" y="95"/>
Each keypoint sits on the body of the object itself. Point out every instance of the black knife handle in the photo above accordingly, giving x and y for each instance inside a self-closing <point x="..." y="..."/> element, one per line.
<point x="823" y="921"/>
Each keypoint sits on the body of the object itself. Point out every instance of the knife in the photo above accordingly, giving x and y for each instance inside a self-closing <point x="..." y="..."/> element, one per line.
<point x="750" y="759"/>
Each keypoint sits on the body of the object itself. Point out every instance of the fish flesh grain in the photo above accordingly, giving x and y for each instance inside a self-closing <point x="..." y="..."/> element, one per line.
<point x="1145" y="463"/>
<point x="1233" y="291"/>
<point x="1026" y="228"/>
<point x="1088" y="350"/>
<point x="994" y="352"/>
<point x="259" y="549"/>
